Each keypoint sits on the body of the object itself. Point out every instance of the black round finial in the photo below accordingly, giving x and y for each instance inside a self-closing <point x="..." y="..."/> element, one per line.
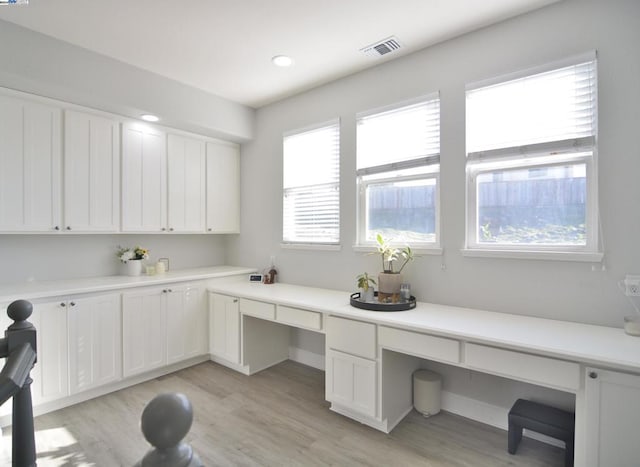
<point x="20" y="310"/>
<point x="166" y="420"/>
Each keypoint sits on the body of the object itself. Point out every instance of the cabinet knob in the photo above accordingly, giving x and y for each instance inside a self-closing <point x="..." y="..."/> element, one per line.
<point x="63" y="304"/>
<point x="209" y="229"/>
<point x="68" y="227"/>
<point x="164" y="290"/>
<point x="593" y="375"/>
<point x="235" y="300"/>
<point x="163" y="229"/>
<point x="72" y="304"/>
<point x="56" y="228"/>
<point x="170" y="229"/>
<point x="169" y="290"/>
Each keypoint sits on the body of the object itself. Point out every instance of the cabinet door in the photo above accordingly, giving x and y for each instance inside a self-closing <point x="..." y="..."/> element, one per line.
<point x="144" y="179"/>
<point x="30" y="166"/>
<point x="186" y="176"/>
<point x="95" y="348"/>
<point x="186" y="322"/>
<point x="223" y="188"/>
<point x="224" y="327"/>
<point x="196" y="321"/>
<point x="144" y="327"/>
<point x="50" y="373"/>
<point x="351" y="382"/>
<point x="92" y="173"/>
<point x="612" y="415"/>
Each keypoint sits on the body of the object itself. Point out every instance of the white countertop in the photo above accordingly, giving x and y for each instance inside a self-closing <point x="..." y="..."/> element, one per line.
<point x="44" y="289"/>
<point x="584" y="343"/>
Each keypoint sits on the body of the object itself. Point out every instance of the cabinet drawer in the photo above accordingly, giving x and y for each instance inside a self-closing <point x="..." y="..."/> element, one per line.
<point x="420" y="345"/>
<point x="300" y="318"/>
<point x="352" y="337"/>
<point x="258" y="309"/>
<point x="524" y="367"/>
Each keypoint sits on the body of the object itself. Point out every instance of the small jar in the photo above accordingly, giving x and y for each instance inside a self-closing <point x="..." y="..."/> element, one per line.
<point x="405" y="292"/>
<point x="160" y="267"/>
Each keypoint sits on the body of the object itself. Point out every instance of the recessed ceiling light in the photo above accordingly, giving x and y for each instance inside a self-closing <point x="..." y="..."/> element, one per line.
<point x="282" y="60"/>
<point x="149" y="118"/>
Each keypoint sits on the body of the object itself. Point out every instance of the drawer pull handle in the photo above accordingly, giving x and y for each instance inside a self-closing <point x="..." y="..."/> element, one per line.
<point x="593" y="375"/>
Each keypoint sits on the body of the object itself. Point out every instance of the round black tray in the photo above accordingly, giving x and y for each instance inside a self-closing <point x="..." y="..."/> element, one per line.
<point x="378" y="306"/>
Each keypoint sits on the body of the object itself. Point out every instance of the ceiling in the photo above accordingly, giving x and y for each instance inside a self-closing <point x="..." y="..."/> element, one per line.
<point x="225" y="47"/>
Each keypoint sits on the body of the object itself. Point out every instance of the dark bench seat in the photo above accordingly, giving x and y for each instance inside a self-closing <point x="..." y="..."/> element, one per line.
<point x="542" y="419"/>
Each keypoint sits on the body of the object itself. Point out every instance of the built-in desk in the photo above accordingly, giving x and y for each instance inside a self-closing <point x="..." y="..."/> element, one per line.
<point x="370" y="357"/>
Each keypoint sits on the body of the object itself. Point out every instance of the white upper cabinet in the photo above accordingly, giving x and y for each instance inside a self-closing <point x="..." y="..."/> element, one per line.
<point x="186" y="176"/>
<point x="223" y="188"/>
<point x="88" y="176"/>
<point x="144" y="179"/>
<point x="92" y="173"/>
<point x="30" y="160"/>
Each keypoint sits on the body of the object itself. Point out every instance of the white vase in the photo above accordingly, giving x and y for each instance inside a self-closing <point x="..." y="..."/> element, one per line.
<point x="389" y="283"/>
<point x="366" y="295"/>
<point x="133" y="267"/>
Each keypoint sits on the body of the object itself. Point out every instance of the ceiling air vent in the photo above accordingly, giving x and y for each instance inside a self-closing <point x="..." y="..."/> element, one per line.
<point x="383" y="47"/>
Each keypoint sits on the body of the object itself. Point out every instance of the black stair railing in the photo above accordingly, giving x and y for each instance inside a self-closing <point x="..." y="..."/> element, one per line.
<point x="19" y="348"/>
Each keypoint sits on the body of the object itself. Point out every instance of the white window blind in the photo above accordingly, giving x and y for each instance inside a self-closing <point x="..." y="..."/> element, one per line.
<point x="398" y="160"/>
<point x="554" y="106"/>
<point x="401" y="137"/>
<point x="311" y="197"/>
<point x="531" y="160"/>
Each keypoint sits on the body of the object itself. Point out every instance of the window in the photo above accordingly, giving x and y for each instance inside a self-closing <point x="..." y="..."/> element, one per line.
<point x="398" y="165"/>
<point x="311" y="190"/>
<point x="531" y="161"/>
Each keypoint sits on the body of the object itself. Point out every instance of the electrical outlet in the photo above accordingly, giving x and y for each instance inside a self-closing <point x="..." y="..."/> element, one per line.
<point x="632" y="286"/>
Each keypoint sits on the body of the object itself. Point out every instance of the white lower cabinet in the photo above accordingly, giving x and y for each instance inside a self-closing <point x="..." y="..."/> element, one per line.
<point x="50" y="372"/>
<point x="144" y="328"/>
<point x="161" y="326"/>
<point x="224" y="327"/>
<point x="351" y="382"/>
<point x="351" y="365"/>
<point x="612" y="414"/>
<point x="95" y="343"/>
<point x="186" y="322"/>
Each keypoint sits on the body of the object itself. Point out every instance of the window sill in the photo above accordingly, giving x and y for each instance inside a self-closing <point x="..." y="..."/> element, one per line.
<point x="535" y="255"/>
<point x="310" y="246"/>
<point x="420" y="250"/>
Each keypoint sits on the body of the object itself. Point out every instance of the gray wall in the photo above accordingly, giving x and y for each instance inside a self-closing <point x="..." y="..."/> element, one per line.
<point x="50" y="257"/>
<point x="582" y="292"/>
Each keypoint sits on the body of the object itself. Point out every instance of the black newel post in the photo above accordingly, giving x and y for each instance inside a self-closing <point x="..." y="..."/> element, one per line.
<point x="19" y="348"/>
<point x="165" y="422"/>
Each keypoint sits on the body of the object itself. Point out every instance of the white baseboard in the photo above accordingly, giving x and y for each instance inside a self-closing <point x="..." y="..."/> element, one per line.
<point x="305" y="357"/>
<point x="488" y="414"/>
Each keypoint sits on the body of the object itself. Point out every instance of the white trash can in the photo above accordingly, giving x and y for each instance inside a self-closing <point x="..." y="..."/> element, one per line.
<point x="426" y="392"/>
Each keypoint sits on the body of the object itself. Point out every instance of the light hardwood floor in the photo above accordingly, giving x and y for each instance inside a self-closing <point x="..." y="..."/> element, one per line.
<point x="277" y="417"/>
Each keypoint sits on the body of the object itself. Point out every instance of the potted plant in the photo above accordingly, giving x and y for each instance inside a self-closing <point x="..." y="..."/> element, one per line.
<point x="390" y="279"/>
<point x="365" y="284"/>
<point x="132" y="258"/>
